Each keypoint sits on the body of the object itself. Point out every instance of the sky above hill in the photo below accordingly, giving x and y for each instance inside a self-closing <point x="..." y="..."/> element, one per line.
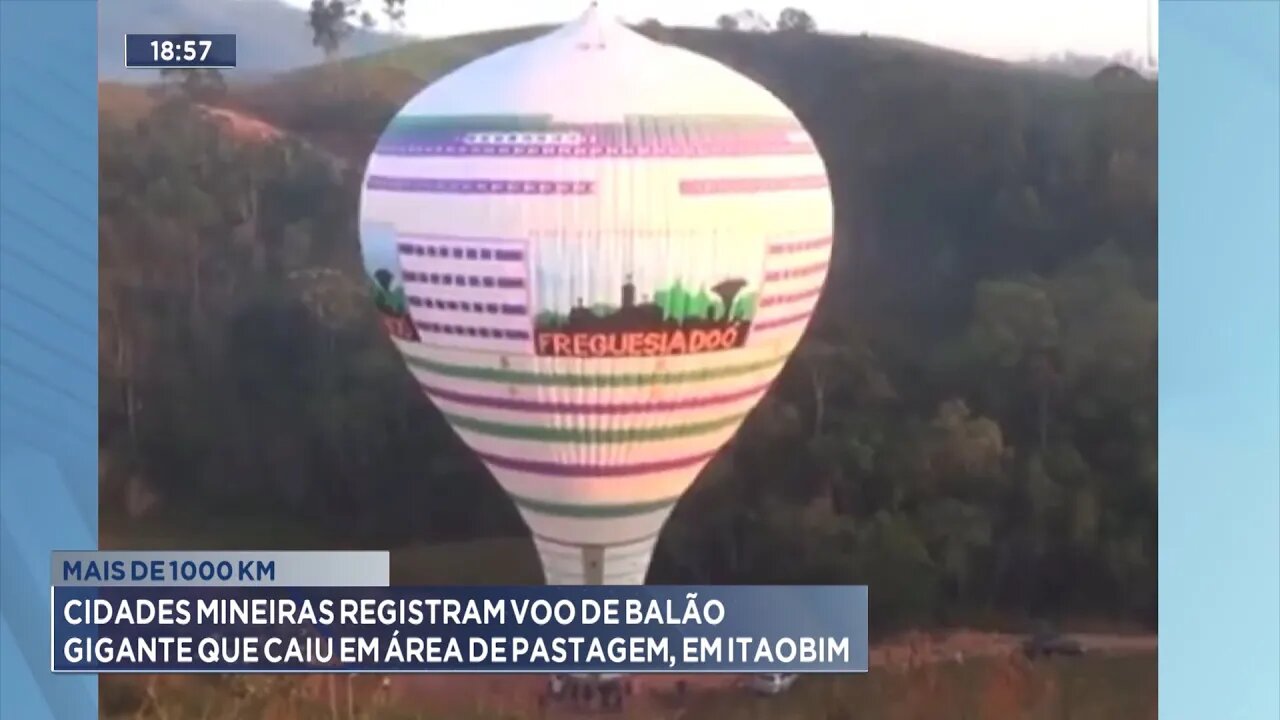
<point x="1010" y="29"/>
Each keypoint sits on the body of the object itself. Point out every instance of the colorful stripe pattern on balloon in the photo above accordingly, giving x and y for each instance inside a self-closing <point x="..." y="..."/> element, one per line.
<point x="596" y="448"/>
<point x="594" y="408"/>
<point x="639" y="137"/>
<point x="793" y="278"/>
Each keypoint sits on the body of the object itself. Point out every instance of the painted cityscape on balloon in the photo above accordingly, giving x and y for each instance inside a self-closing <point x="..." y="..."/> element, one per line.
<point x="444" y="290"/>
<point x="676" y="319"/>
<point x="478" y="294"/>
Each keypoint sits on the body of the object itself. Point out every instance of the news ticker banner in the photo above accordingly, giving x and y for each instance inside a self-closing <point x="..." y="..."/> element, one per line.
<point x="334" y="612"/>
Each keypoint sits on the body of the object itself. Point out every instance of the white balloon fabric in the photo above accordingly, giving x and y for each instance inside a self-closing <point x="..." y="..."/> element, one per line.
<point x="595" y="253"/>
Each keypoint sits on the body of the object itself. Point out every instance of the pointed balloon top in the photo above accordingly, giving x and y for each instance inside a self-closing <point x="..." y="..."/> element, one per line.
<point x="595" y="68"/>
<point x="597" y="12"/>
<point x="591" y="13"/>
<point x="594" y="28"/>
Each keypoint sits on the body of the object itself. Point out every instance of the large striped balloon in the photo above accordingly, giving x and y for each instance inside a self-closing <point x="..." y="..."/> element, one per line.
<point x="595" y="253"/>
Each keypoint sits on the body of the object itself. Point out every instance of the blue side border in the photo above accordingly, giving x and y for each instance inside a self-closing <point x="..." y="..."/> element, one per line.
<point x="1219" y="359"/>
<point x="48" y="334"/>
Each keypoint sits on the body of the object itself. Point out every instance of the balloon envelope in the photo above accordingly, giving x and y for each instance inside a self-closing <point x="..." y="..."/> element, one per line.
<point x="595" y="252"/>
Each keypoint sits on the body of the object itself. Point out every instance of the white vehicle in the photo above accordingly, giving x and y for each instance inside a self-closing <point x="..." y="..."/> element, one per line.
<point x="556" y="685"/>
<point x="771" y="683"/>
<point x="559" y="683"/>
<point x="597" y="677"/>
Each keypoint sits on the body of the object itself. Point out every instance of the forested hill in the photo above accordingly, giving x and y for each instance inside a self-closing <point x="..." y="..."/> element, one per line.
<point x="970" y="426"/>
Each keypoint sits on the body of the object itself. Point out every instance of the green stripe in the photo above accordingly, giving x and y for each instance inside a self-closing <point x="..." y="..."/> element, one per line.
<point x="594" y="512"/>
<point x="525" y="377"/>
<point x="541" y="433"/>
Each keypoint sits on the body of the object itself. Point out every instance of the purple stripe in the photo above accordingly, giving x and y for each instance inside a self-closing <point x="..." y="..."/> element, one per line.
<point x="467" y="306"/>
<point x="507" y="403"/>
<point x="790" y="273"/>
<point x="798" y="246"/>
<point x="459" y="280"/>
<point x="468" y="186"/>
<point x="720" y="186"/>
<point x="790" y="297"/>
<point x="556" y="469"/>
<point x="470" y="331"/>
<point x="460" y="253"/>
<point x="779" y="322"/>
<point x="743" y="148"/>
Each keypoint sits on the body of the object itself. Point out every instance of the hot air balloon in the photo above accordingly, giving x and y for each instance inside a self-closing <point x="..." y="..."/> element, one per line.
<point x="595" y="252"/>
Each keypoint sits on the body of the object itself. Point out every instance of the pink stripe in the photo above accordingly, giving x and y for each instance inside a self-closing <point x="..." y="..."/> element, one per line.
<point x="557" y="469"/>
<point x="780" y="322"/>
<point x="796" y="272"/>
<point x="790" y="297"/>
<point x="799" y="246"/>
<point x="720" y="186"/>
<point x="506" y="403"/>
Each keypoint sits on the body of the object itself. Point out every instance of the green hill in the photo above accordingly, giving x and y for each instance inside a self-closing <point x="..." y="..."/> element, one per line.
<point x="349" y="101"/>
<point x="343" y="105"/>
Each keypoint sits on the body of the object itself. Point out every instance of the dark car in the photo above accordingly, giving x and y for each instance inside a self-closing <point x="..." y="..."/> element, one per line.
<point x="1050" y="644"/>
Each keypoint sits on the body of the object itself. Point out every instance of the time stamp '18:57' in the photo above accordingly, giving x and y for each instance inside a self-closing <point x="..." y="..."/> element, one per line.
<point x="180" y="51"/>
